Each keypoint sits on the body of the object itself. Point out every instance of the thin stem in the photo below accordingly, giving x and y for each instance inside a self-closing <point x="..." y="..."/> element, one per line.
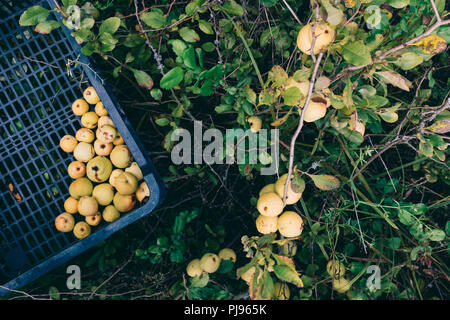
<point x="379" y="59"/>
<point x="423" y="35"/>
<point x="436" y="12"/>
<point x="300" y="124"/>
<point x="292" y="12"/>
<point x="249" y="51"/>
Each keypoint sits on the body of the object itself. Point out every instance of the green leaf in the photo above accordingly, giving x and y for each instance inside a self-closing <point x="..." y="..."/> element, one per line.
<point x="426" y="149"/>
<point x="162" y="122"/>
<point x="394" y="242"/>
<point x="249" y="94"/>
<point x="347" y="95"/>
<point x="398" y="4"/>
<point x="419" y="209"/>
<point x="54" y="293"/>
<point x="207" y="88"/>
<point x="191" y="8"/>
<point x="200" y="281"/>
<point x="189" y="35"/>
<point x="223" y="108"/>
<point x="405" y="217"/>
<point x="87" y="23"/>
<point x="292" y="96"/>
<point x="46" y="27"/>
<point x="92" y="47"/>
<point x="268" y="285"/>
<point x="189" y="59"/>
<point x="356" y="53"/>
<point x="269" y="3"/>
<point x="336" y="102"/>
<point x="205" y="27"/>
<point x="225" y="266"/>
<point x="436" y="235"/>
<point x="372" y="15"/>
<point x="68" y="3"/>
<point x="444" y="32"/>
<point x="83" y="35"/>
<point x="143" y="79"/>
<point x="233" y="8"/>
<point x="178" y="111"/>
<point x="33" y="15"/>
<point x="266" y="239"/>
<point x="110" y="25"/>
<point x="265" y="98"/>
<point x="172" y="78"/>
<point x="389" y="117"/>
<point x="278" y="76"/>
<point x="178" y="46"/>
<point x="408" y="61"/>
<point x="208" y="46"/>
<point x="298" y="184"/>
<point x="154" y="19"/>
<point x="108" y="41"/>
<point x="267" y="34"/>
<point x="335" y="16"/>
<point x="415" y="252"/>
<point x="278" y="122"/>
<point x="325" y="182"/>
<point x="438" y="142"/>
<point x="351" y="135"/>
<point x="156" y="94"/>
<point x="285" y="273"/>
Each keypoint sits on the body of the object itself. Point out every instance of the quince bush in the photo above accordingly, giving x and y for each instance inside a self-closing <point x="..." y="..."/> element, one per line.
<point x="359" y="92"/>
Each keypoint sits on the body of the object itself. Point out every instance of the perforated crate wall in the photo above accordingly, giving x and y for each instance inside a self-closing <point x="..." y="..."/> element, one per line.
<point x="36" y="94"/>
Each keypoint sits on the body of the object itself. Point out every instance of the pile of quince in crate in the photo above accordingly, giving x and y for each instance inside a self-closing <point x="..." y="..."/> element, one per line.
<point x="106" y="180"/>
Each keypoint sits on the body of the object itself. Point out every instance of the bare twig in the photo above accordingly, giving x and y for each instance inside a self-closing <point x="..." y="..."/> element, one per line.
<point x="379" y="60"/>
<point x="23" y="293"/>
<point x="434" y="113"/>
<point x="354" y="15"/>
<point x="300" y="124"/>
<point x="43" y="62"/>
<point x="59" y="8"/>
<point x="308" y="99"/>
<point x="292" y="12"/>
<point x="420" y="37"/>
<point x="436" y="12"/>
<point x="313" y="32"/>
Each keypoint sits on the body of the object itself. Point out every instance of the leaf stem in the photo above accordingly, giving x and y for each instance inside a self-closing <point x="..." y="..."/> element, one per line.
<point x="249" y="51"/>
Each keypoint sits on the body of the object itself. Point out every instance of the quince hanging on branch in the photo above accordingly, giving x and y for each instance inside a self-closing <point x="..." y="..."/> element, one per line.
<point x="323" y="34"/>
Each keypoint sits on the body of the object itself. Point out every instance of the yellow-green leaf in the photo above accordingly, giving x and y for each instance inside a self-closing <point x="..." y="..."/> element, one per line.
<point x="285" y="273"/>
<point x="292" y="96"/>
<point x="440" y="126"/>
<point x="249" y="94"/>
<point x="394" y="79"/>
<point x="432" y="44"/>
<point x="325" y="182"/>
<point x="278" y="76"/>
<point x="278" y="122"/>
<point x="33" y="15"/>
